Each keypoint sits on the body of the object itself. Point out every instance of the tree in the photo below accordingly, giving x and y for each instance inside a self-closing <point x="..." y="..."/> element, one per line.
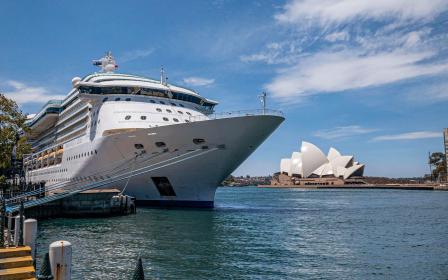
<point x="438" y="161"/>
<point x="12" y="133"/>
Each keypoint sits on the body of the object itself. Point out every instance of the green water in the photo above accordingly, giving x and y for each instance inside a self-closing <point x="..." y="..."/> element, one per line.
<point x="268" y="234"/>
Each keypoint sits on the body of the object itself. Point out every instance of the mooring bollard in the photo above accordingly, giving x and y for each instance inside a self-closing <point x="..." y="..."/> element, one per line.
<point x="17" y="228"/>
<point x="30" y="234"/>
<point x="139" y="274"/>
<point x="45" y="269"/>
<point x="61" y="260"/>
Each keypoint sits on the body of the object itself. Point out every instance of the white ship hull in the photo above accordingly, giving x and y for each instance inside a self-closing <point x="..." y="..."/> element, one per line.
<point x="194" y="171"/>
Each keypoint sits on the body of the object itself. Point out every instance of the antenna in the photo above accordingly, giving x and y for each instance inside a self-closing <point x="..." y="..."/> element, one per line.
<point x="263" y="101"/>
<point x="107" y="63"/>
<point x="162" y="74"/>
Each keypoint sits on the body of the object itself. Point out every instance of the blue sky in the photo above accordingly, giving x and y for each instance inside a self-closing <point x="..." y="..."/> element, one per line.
<point x="367" y="77"/>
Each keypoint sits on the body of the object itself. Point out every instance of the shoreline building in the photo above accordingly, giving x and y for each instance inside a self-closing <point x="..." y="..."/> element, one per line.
<point x="311" y="166"/>
<point x="445" y="142"/>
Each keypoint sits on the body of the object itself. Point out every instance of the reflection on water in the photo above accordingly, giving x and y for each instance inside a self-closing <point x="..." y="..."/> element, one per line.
<point x="268" y="234"/>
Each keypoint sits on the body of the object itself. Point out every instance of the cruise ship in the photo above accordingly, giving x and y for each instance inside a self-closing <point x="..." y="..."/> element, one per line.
<point x="158" y="142"/>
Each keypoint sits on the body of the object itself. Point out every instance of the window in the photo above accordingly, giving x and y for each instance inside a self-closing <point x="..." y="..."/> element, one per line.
<point x="143" y="118"/>
<point x="169" y="111"/>
<point x="187" y="121"/>
<point x="188" y="113"/>
<point x="173" y="104"/>
<point x="117" y="99"/>
<point x="160" y="144"/>
<point x="127" y="117"/>
<point x="161" y="102"/>
<point x="175" y="120"/>
<point x="181" y="105"/>
<point x="105" y="99"/>
<point x="128" y="99"/>
<point x="165" y="119"/>
<point x="159" y="110"/>
<point x="198" y="141"/>
<point x="152" y="101"/>
<point x="138" y="146"/>
<point x="180" y="112"/>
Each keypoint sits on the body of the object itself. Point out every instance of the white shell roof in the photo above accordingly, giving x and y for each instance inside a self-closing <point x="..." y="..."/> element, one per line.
<point x="311" y="160"/>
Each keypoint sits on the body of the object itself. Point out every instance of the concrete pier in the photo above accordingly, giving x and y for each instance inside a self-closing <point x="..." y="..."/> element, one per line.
<point x="100" y="202"/>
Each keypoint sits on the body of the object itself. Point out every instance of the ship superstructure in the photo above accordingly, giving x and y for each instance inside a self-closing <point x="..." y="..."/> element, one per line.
<point x="113" y="124"/>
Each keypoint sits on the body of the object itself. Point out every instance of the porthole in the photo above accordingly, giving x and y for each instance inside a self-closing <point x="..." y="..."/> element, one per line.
<point x="127" y="117"/>
<point x="160" y="144"/>
<point x="143" y="118"/>
<point x="169" y="111"/>
<point x="117" y="99"/>
<point x="165" y="119"/>
<point x="128" y="99"/>
<point x="198" y="141"/>
<point x="175" y="120"/>
<point x="138" y="146"/>
<point x="159" y="110"/>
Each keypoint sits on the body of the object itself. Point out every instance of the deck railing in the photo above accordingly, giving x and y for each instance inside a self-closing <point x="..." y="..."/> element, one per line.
<point x="233" y="114"/>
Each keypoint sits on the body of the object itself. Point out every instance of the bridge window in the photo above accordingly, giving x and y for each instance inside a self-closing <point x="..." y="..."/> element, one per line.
<point x="128" y="99"/>
<point x="161" y="102"/>
<point x="181" y="105"/>
<point x="152" y="101"/>
<point x="117" y="99"/>
<point x="173" y="104"/>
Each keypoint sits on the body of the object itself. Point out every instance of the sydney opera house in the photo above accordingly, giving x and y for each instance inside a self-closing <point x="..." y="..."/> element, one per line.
<point x="311" y="166"/>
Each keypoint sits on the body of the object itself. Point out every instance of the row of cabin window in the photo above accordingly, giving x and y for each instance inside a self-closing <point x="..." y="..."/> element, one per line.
<point x="128" y="117"/>
<point x="152" y="101"/>
<point x="50" y="172"/>
<point x="81" y="155"/>
<point x="169" y="111"/>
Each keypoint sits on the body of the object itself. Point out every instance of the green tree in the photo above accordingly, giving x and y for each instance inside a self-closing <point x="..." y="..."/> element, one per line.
<point x="438" y="161"/>
<point x="12" y="131"/>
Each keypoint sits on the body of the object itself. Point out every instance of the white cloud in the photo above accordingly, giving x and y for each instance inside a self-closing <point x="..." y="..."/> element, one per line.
<point x="338" y="71"/>
<point x="342" y="132"/>
<point x="135" y="54"/>
<point x="338" y="11"/>
<point x="198" y="81"/>
<point x="337" y="36"/>
<point x="24" y="94"/>
<point x="409" y="136"/>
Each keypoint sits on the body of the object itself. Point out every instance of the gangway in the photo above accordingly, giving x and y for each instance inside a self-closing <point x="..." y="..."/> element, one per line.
<point x="64" y="190"/>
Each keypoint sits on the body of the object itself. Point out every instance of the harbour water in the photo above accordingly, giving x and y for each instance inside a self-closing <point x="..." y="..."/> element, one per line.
<point x="268" y="234"/>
